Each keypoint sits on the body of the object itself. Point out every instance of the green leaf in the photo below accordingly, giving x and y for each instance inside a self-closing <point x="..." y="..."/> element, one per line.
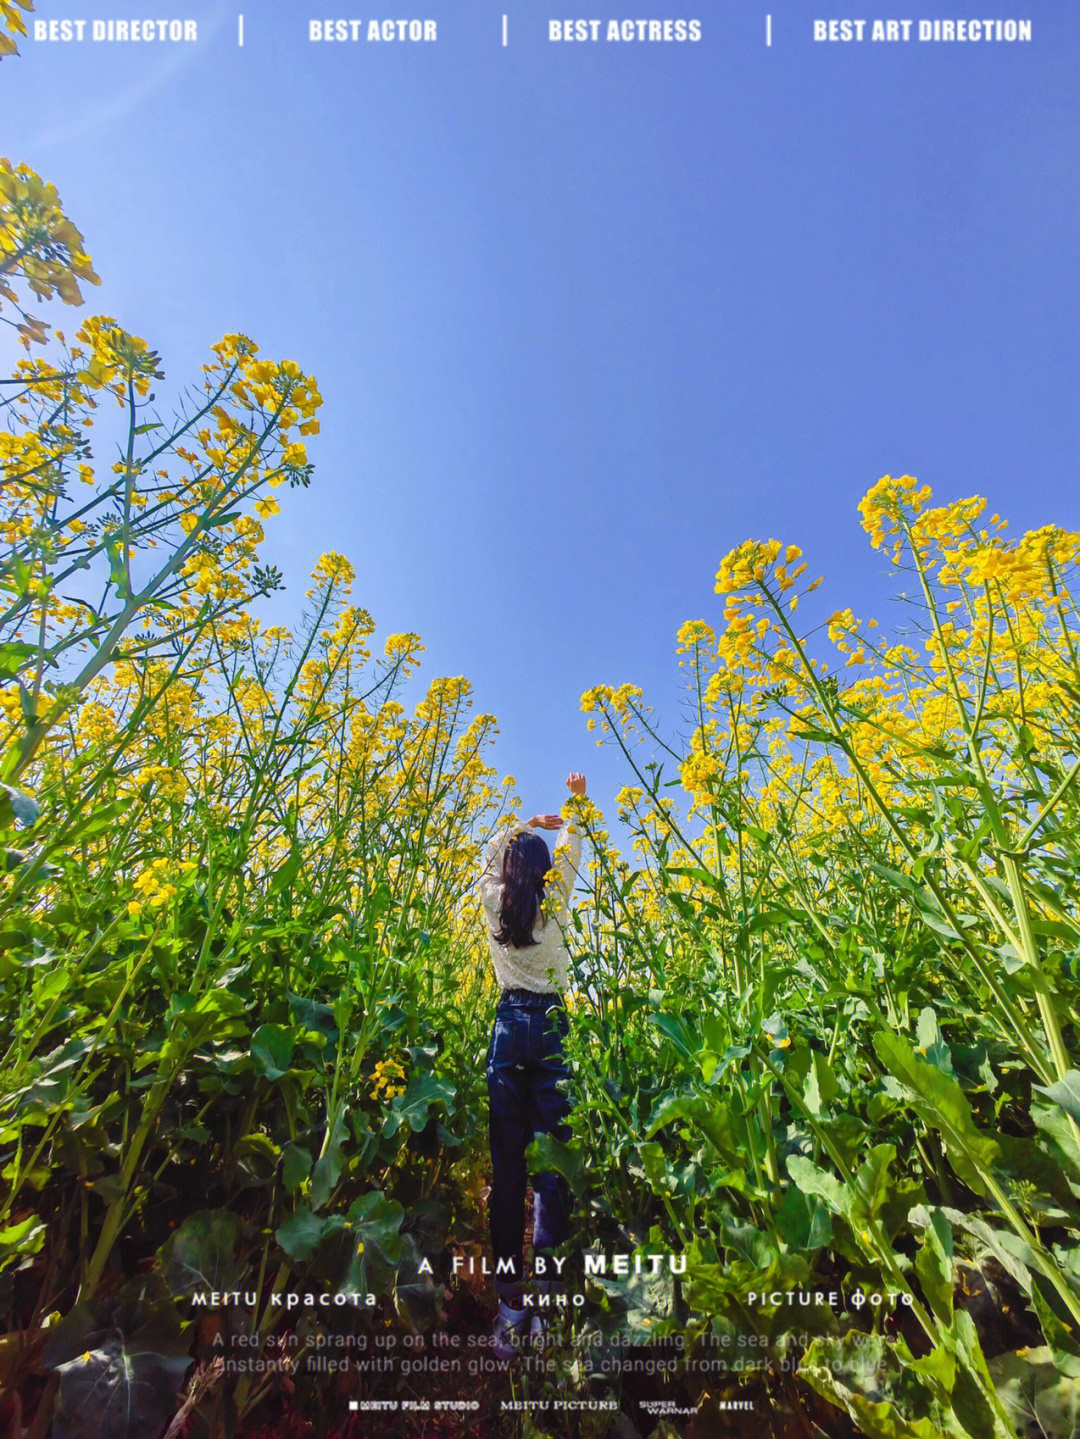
<point x="1027" y="1161"/>
<point x="120" y="1363"/>
<point x="117" y="572"/>
<point x="776" y="1030"/>
<point x="94" y="821"/>
<point x="814" y="1181"/>
<point x="20" y="1240"/>
<point x="547" y="1154"/>
<point x="1011" y="1253"/>
<point x="872" y="1185"/>
<point x="802" y="1220"/>
<point x="895" y="877"/>
<point x="416" y="1296"/>
<point x="1058" y="1133"/>
<point x="216" y="1014"/>
<point x="295" y="1166"/>
<point x="942" y="1105"/>
<point x="818" y="736"/>
<point x="284" y="877"/>
<point x="933" y="1265"/>
<point x="931" y="1043"/>
<point x="26" y="706"/>
<point x="652" y="1163"/>
<point x="1036" y="1395"/>
<point x="374" y="1223"/>
<point x="936" y="921"/>
<point x="821" y="1087"/>
<point x="710" y="1115"/>
<point x="205" y="1253"/>
<point x="1065" y="1092"/>
<point x="24" y="807"/>
<point x="971" y="1403"/>
<point x="16" y="656"/>
<point x="677" y="1032"/>
<point x="423" y="1092"/>
<point x="329" y="1165"/>
<point x="308" y="1015"/>
<point x="271" y="1049"/>
<point x="304" y="1231"/>
<point x="886" y="1399"/>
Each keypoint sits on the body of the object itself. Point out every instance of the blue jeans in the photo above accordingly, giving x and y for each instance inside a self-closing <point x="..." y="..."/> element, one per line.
<point x="524" y="1066"/>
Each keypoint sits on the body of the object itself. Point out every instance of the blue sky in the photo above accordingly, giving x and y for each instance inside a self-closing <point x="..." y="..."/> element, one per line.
<point x="586" y="316"/>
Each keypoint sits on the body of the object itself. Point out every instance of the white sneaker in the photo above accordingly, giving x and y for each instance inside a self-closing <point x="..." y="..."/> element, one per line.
<point x="512" y="1327"/>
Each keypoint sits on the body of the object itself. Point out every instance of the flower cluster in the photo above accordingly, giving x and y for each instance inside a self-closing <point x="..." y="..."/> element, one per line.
<point x="385" y="1080"/>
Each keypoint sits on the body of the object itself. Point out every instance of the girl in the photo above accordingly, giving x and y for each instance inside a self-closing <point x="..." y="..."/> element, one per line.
<point x="524" y="1059"/>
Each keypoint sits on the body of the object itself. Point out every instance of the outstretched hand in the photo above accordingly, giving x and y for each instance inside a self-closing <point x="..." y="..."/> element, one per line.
<point x="575" y="783"/>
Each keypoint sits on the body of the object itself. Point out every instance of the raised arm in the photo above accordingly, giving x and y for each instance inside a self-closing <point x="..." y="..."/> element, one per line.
<point x="567" y="858"/>
<point x="491" y="869"/>
<point x="491" y="865"/>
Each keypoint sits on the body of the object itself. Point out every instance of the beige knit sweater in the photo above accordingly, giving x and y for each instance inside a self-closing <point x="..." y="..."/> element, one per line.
<point x="544" y="965"/>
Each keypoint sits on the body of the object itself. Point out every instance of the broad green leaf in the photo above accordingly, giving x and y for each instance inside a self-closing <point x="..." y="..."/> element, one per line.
<point x="304" y="1231"/>
<point x="423" y="1092"/>
<point x="1066" y="1092"/>
<point x="677" y="1032"/>
<point x="933" y="1265"/>
<point x="120" y="1363"/>
<point x="1015" y="1257"/>
<point x="417" y="1298"/>
<point x="973" y="1384"/>
<point x="15" y="656"/>
<point x="1037" y="1396"/>
<point x="546" y="1154"/>
<point x="1057" y="1325"/>
<point x="20" y="1240"/>
<point x="709" y="1114"/>
<point x="308" y="1014"/>
<point x="378" y="1246"/>
<point x="802" y="1220"/>
<point x="329" y="1165"/>
<point x="1058" y="1135"/>
<point x="931" y="1045"/>
<point x="205" y="1253"/>
<point x="814" y="1181"/>
<point x="776" y="1030"/>
<point x="821" y="1087"/>
<point x="862" y="1374"/>
<point x="652" y="1162"/>
<point x="871" y="1185"/>
<point x="271" y="1049"/>
<point x="942" y="1105"/>
<point x="295" y="1166"/>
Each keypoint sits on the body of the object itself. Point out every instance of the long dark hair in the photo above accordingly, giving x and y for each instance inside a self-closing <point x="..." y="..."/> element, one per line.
<point x="526" y="861"/>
